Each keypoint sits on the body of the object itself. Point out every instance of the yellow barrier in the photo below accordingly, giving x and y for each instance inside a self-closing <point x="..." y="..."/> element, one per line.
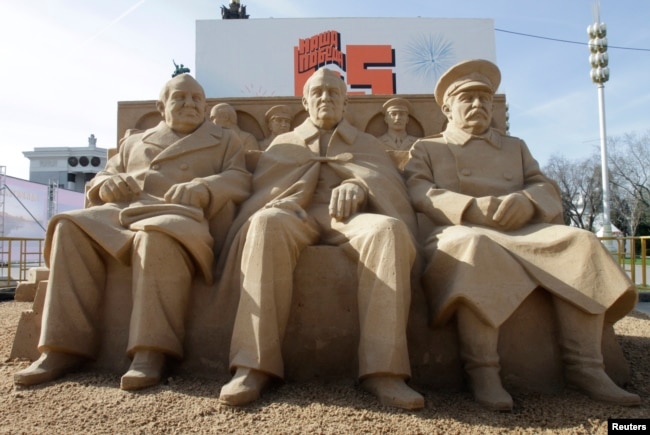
<point x="17" y="256"/>
<point x="631" y="259"/>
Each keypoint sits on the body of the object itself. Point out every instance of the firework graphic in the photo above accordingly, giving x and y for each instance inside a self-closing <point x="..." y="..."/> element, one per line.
<point x="256" y="91"/>
<point x="428" y="56"/>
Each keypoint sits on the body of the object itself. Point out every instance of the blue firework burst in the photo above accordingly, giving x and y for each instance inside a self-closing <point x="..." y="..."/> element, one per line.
<point x="428" y="56"/>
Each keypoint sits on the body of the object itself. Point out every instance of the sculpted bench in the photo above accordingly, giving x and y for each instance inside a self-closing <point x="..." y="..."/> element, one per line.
<point x="322" y="334"/>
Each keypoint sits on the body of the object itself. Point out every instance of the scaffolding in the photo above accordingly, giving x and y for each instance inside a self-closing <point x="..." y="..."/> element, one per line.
<point x="3" y="192"/>
<point x="52" y="193"/>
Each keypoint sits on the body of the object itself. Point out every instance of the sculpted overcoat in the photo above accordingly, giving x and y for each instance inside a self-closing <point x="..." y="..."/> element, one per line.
<point x="288" y="170"/>
<point x="211" y="155"/>
<point x="445" y="173"/>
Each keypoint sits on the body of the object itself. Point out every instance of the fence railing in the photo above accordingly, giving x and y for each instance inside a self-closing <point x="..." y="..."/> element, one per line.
<point x="631" y="254"/>
<point x="17" y="256"/>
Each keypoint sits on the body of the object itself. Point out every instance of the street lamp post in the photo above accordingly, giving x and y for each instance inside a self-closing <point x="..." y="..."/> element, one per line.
<point x="599" y="75"/>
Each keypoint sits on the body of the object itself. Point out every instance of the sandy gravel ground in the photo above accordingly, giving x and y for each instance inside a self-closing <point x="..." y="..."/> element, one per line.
<point x="93" y="403"/>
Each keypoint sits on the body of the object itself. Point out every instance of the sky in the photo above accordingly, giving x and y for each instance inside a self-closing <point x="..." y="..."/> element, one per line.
<point x="66" y="64"/>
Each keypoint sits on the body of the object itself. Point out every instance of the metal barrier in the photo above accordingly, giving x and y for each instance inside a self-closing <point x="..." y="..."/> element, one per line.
<point x="17" y="256"/>
<point x="632" y="259"/>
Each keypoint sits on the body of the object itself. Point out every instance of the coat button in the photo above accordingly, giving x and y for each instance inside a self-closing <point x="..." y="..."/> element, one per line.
<point x="508" y="175"/>
<point x="184" y="167"/>
<point x="466" y="172"/>
<point x="155" y="167"/>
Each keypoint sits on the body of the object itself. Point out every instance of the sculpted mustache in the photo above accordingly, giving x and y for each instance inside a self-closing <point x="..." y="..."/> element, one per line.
<point x="475" y="111"/>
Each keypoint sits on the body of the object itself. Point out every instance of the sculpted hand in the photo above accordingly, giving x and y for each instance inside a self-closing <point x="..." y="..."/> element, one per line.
<point x="119" y="188"/>
<point x="345" y="200"/>
<point x="481" y="211"/>
<point x="192" y="193"/>
<point x="514" y="212"/>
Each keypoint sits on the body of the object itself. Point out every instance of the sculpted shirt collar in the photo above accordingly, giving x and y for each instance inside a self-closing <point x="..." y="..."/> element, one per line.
<point x="456" y="136"/>
<point x="308" y="131"/>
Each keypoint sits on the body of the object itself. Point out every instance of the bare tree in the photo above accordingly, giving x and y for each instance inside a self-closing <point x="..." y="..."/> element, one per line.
<point x="629" y="166"/>
<point x="580" y="186"/>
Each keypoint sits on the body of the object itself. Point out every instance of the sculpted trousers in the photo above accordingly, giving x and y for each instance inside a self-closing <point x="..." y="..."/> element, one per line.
<point x="161" y="269"/>
<point x="381" y="247"/>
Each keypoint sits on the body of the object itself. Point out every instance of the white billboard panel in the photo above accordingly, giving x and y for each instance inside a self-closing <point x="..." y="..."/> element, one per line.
<point x="274" y="57"/>
<point x="25" y="209"/>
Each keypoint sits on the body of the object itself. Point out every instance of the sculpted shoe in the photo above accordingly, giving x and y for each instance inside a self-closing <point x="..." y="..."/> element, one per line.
<point x="244" y="387"/>
<point x="393" y="391"/>
<point x="487" y="388"/>
<point x="145" y="370"/>
<point x="51" y="365"/>
<point x="594" y="382"/>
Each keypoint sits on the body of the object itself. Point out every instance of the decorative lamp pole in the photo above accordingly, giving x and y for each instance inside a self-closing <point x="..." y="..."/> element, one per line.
<point x="599" y="75"/>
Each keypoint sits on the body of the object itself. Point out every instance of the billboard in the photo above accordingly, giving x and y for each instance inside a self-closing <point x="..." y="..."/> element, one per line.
<point x="25" y="208"/>
<point x="27" y="205"/>
<point x="274" y="57"/>
<point x="67" y="200"/>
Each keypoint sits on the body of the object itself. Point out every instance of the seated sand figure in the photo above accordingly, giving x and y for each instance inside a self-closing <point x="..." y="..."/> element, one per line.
<point x="396" y="116"/>
<point x="149" y="209"/>
<point x="278" y="119"/>
<point x="325" y="182"/>
<point x="500" y="235"/>
<point x="224" y="115"/>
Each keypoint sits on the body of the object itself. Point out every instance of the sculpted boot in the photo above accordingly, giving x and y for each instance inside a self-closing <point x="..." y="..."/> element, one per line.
<point x="51" y="365"/>
<point x="393" y="391"/>
<point x="478" y="351"/>
<point x="245" y="386"/>
<point x="580" y="340"/>
<point x="145" y="370"/>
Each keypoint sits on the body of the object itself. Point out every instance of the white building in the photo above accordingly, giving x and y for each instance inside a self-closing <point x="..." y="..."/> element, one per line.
<point x="68" y="167"/>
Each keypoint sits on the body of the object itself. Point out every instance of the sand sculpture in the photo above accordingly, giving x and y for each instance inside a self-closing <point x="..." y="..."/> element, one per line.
<point x="150" y="208"/>
<point x="396" y="116"/>
<point x="325" y="181"/>
<point x="278" y="121"/>
<point x="224" y="115"/>
<point x="330" y="205"/>
<point x="499" y="235"/>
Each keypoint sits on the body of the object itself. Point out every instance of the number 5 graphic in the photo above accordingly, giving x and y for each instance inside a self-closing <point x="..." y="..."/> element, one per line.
<point x="363" y="72"/>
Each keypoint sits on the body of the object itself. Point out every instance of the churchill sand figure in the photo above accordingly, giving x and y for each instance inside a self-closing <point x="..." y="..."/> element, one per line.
<point x="396" y="116"/>
<point x="499" y="236"/>
<point x="325" y="182"/>
<point x="224" y="115"/>
<point x="150" y="209"/>
<point x="278" y="120"/>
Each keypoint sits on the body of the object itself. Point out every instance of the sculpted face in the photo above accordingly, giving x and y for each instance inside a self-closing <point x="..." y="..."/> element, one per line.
<point x="470" y="110"/>
<point x="279" y="125"/>
<point x="325" y="99"/>
<point x="183" y="107"/>
<point x="221" y="118"/>
<point x="396" y="118"/>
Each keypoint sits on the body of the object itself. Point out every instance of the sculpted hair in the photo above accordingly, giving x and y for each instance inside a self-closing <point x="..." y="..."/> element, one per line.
<point x="164" y="92"/>
<point x="323" y="72"/>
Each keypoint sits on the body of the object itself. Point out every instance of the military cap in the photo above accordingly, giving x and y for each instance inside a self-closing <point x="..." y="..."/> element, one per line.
<point x="398" y="102"/>
<point x="470" y="74"/>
